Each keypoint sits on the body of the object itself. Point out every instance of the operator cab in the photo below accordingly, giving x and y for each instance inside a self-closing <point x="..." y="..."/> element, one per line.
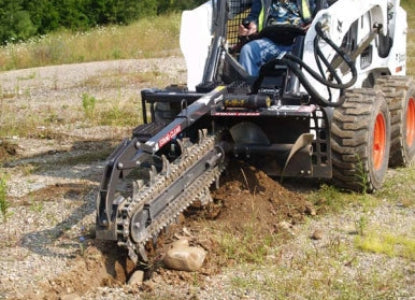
<point x="275" y="79"/>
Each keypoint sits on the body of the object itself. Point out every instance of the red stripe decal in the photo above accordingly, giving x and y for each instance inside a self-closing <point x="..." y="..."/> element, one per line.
<point x="169" y="136"/>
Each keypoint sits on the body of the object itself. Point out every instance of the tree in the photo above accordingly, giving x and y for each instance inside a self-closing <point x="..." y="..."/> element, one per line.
<point x="72" y="13"/>
<point x="20" y="19"/>
<point x="15" y="23"/>
<point x="43" y="14"/>
<point x="177" y="5"/>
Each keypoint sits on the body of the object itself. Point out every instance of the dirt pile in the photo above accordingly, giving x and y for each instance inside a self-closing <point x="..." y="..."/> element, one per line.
<point x="250" y="207"/>
<point x="249" y="195"/>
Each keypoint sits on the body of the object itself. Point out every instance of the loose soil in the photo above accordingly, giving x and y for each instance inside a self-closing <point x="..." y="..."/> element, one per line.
<point x="248" y="193"/>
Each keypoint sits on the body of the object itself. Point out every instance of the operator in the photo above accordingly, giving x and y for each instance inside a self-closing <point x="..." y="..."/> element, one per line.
<point x="267" y="13"/>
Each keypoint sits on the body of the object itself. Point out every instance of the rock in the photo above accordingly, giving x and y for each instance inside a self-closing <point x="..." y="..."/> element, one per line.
<point x="180" y="243"/>
<point x="284" y="225"/>
<point x="182" y="257"/>
<point x="70" y="297"/>
<point x="317" y="234"/>
<point x="137" y="278"/>
<point x="287" y="227"/>
<point x="309" y="209"/>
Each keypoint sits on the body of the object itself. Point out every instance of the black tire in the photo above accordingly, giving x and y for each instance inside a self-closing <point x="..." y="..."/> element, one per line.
<point x="399" y="92"/>
<point x="360" y="140"/>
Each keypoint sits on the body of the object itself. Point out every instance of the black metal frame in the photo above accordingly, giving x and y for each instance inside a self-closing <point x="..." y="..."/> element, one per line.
<point x="314" y="119"/>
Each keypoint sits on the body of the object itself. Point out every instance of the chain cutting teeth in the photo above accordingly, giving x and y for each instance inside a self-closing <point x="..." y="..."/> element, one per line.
<point x="143" y="194"/>
<point x="166" y="166"/>
<point x="152" y="175"/>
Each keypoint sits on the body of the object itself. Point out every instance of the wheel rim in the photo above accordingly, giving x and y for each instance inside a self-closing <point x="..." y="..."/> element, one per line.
<point x="379" y="141"/>
<point x="410" y="123"/>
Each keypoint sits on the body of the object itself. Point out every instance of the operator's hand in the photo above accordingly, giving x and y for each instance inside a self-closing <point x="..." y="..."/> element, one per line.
<point x="247" y="30"/>
<point x="307" y="26"/>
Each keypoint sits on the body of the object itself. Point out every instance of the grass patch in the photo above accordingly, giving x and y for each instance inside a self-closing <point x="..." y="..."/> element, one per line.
<point x="110" y="112"/>
<point x="148" y="37"/>
<point x="324" y="278"/>
<point x="328" y="199"/>
<point x="397" y="188"/>
<point x="409" y="6"/>
<point x="335" y="270"/>
<point x="244" y="246"/>
<point x="22" y="120"/>
<point x="88" y="104"/>
<point x="27" y="122"/>
<point x="4" y="203"/>
<point x="387" y="243"/>
<point x="120" y="116"/>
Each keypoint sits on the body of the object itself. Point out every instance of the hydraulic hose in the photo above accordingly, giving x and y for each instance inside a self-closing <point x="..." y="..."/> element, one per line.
<point x="293" y="63"/>
<point x="308" y="86"/>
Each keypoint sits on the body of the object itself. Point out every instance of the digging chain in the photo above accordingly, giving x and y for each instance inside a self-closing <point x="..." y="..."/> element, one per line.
<point x="142" y="195"/>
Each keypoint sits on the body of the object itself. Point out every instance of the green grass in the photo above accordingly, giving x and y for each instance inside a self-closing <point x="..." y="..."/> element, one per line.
<point x="92" y="112"/>
<point x="398" y="188"/>
<point x="330" y="199"/>
<point x="28" y="120"/>
<point x="387" y="243"/>
<point x="110" y="112"/>
<point x="324" y="277"/>
<point x="88" y="103"/>
<point x="27" y="124"/>
<point x="244" y="246"/>
<point x="409" y="6"/>
<point x="149" y="37"/>
<point x="117" y="115"/>
<point x="4" y="203"/>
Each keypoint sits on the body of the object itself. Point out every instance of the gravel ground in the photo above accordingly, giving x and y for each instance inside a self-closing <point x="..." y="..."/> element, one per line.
<point x="53" y="211"/>
<point x="53" y="205"/>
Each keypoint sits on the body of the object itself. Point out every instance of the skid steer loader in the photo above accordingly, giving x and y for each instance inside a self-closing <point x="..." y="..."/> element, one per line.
<point x="338" y="106"/>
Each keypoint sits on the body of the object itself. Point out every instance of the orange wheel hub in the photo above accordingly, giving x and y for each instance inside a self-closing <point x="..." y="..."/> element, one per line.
<point x="410" y="123"/>
<point x="379" y="141"/>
